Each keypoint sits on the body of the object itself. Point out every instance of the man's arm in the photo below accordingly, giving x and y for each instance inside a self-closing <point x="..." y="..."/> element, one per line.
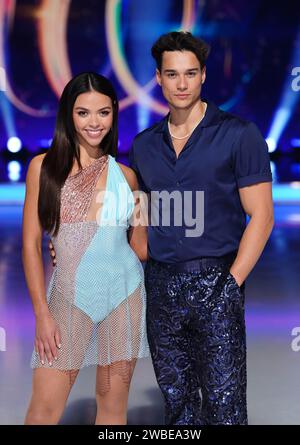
<point x="258" y="204"/>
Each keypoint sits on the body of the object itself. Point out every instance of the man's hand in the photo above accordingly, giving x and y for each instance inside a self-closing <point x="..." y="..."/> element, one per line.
<point x="238" y="281"/>
<point x="52" y="253"/>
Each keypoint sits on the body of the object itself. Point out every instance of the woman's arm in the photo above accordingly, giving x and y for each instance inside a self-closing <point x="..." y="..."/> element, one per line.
<point x="47" y="335"/>
<point x="137" y="234"/>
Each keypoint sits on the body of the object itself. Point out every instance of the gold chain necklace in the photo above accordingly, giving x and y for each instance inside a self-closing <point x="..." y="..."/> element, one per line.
<point x="187" y="135"/>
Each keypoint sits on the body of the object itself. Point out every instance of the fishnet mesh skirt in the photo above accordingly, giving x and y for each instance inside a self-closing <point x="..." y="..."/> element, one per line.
<point x="113" y="343"/>
<point x="98" y="301"/>
<point x="118" y="337"/>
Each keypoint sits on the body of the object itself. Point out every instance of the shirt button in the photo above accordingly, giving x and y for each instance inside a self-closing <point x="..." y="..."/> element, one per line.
<point x="180" y="241"/>
<point x="177" y="183"/>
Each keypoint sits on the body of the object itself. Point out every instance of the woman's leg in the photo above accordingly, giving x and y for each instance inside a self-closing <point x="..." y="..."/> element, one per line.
<point x="50" y="391"/>
<point x="112" y="388"/>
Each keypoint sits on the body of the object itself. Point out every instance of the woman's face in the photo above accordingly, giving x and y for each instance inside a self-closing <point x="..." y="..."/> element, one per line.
<point x="92" y="117"/>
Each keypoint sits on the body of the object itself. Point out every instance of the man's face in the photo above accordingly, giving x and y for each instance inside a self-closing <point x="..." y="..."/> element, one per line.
<point x="180" y="78"/>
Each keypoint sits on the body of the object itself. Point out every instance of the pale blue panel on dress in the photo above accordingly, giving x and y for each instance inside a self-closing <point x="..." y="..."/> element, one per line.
<point x="109" y="265"/>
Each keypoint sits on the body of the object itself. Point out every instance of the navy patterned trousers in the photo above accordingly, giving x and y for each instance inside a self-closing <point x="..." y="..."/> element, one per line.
<point x="196" y="333"/>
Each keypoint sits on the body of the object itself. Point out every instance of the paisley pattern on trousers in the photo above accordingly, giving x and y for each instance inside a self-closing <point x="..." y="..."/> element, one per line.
<point x="196" y="333"/>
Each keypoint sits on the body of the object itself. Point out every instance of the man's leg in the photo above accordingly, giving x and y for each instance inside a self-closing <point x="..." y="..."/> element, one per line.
<point x="169" y="341"/>
<point x="222" y="349"/>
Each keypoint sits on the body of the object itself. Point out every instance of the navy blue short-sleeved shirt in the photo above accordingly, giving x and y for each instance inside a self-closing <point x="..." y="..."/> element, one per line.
<point x="223" y="154"/>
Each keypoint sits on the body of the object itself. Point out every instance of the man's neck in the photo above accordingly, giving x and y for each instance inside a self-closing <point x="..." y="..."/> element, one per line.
<point x="187" y="117"/>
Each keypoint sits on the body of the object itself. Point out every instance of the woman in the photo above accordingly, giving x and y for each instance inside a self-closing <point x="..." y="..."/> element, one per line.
<point x="94" y="310"/>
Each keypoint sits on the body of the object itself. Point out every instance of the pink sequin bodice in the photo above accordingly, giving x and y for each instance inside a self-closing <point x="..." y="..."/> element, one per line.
<point x="77" y="192"/>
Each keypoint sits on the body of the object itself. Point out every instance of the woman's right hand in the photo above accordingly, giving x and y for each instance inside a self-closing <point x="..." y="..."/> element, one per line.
<point x="47" y="338"/>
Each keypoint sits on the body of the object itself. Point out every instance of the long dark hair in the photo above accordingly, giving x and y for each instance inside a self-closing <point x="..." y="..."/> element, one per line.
<point x="64" y="149"/>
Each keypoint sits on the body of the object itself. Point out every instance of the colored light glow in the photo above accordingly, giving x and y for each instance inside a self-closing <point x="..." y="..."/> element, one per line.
<point x="6" y="114"/>
<point x="288" y="101"/>
<point x="7" y="12"/>
<point x="45" y="143"/>
<point x="280" y="121"/>
<point x="295" y="185"/>
<point x="14" y="170"/>
<point x="271" y="144"/>
<point x="286" y="193"/>
<point x="54" y="52"/>
<point x="2" y="79"/>
<point x="295" y="142"/>
<point x="282" y="193"/>
<point x="14" y="144"/>
<point x="274" y="171"/>
<point x="12" y="194"/>
<point x="294" y="218"/>
<point x="136" y="93"/>
<point x="53" y="45"/>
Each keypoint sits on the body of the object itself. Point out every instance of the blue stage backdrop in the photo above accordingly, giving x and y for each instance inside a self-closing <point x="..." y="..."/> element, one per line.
<point x="253" y="69"/>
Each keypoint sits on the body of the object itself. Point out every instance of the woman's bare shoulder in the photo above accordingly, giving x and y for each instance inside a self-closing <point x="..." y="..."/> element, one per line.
<point x="34" y="167"/>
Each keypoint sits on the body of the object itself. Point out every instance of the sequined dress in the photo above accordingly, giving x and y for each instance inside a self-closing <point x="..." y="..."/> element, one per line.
<point x="96" y="293"/>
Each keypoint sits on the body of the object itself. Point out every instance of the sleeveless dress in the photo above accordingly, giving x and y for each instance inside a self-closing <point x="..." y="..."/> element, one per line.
<point x="96" y="293"/>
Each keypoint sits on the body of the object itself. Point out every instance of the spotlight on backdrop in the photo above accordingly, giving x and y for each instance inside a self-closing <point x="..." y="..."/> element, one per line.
<point x="280" y="121"/>
<point x="14" y="144"/>
<point x="271" y="142"/>
<point x="274" y="171"/>
<point x="288" y="101"/>
<point x="14" y="170"/>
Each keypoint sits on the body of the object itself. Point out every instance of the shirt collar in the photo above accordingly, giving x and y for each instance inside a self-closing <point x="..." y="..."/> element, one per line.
<point x="213" y="116"/>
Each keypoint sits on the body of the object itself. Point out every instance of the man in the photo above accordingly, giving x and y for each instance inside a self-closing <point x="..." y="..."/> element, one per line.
<point x="195" y="281"/>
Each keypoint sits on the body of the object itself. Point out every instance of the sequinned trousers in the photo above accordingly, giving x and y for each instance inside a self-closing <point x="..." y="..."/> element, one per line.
<point x="196" y="334"/>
